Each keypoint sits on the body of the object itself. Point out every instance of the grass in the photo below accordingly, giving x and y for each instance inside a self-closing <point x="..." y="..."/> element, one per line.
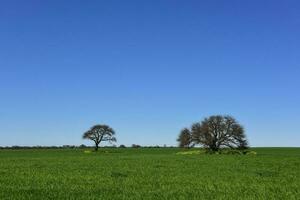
<point x="163" y="173"/>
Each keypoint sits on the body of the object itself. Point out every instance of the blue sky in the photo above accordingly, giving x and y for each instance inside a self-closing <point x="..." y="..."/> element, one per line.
<point x="148" y="69"/>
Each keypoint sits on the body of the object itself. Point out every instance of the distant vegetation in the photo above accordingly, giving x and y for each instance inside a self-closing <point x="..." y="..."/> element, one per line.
<point x="82" y="147"/>
<point x="135" y="146"/>
<point x="213" y="133"/>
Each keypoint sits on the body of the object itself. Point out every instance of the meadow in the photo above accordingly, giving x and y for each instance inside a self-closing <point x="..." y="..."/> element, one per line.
<point x="148" y="173"/>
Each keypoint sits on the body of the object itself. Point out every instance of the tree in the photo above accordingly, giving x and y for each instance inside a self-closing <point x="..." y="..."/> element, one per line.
<point x="219" y="131"/>
<point x="99" y="133"/>
<point x="185" y="138"/>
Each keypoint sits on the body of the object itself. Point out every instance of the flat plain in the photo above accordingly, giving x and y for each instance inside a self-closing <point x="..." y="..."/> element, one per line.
<point x="148" y="173"/>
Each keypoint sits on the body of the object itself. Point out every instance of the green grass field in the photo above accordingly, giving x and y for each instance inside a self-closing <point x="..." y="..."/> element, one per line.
<point x="274" y="173"/>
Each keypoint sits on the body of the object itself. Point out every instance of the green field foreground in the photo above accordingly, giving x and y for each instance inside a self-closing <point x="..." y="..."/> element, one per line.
<point x="148" y="173"/>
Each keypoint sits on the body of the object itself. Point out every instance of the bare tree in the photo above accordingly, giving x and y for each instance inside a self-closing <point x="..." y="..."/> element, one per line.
<point x="185" y="138"/>
<point x="219" y="131"/>
<point x="99" y="133"/>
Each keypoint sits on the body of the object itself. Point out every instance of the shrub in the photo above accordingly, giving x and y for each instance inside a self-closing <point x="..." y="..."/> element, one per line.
<point x="135" y="146"/>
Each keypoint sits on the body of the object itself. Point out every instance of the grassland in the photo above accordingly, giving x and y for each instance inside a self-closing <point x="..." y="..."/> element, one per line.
<point x="274" y="173"/>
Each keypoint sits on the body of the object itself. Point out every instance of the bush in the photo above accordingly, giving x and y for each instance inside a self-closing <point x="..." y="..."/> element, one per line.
<point x="135" y="146"/>
<point x="82" y="146"/>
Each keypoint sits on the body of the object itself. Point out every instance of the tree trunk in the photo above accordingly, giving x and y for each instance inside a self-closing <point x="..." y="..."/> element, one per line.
<point x="96" y="147"/>
<point x="214" y="148"/>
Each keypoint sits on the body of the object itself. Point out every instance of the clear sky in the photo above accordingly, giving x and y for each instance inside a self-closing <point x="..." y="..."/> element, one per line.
<point x="148" y="69"/>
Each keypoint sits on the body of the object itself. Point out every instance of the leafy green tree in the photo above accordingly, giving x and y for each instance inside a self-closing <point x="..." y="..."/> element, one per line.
<point x="219" y="131"/>
<point x="185" y="138"/>
<point x="100" y="133"/>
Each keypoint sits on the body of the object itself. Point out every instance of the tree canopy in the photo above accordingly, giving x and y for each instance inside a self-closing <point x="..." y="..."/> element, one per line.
<point x="185" y="138"/>
<point x="99" y="133"/>
<point x="218" y="131"/>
